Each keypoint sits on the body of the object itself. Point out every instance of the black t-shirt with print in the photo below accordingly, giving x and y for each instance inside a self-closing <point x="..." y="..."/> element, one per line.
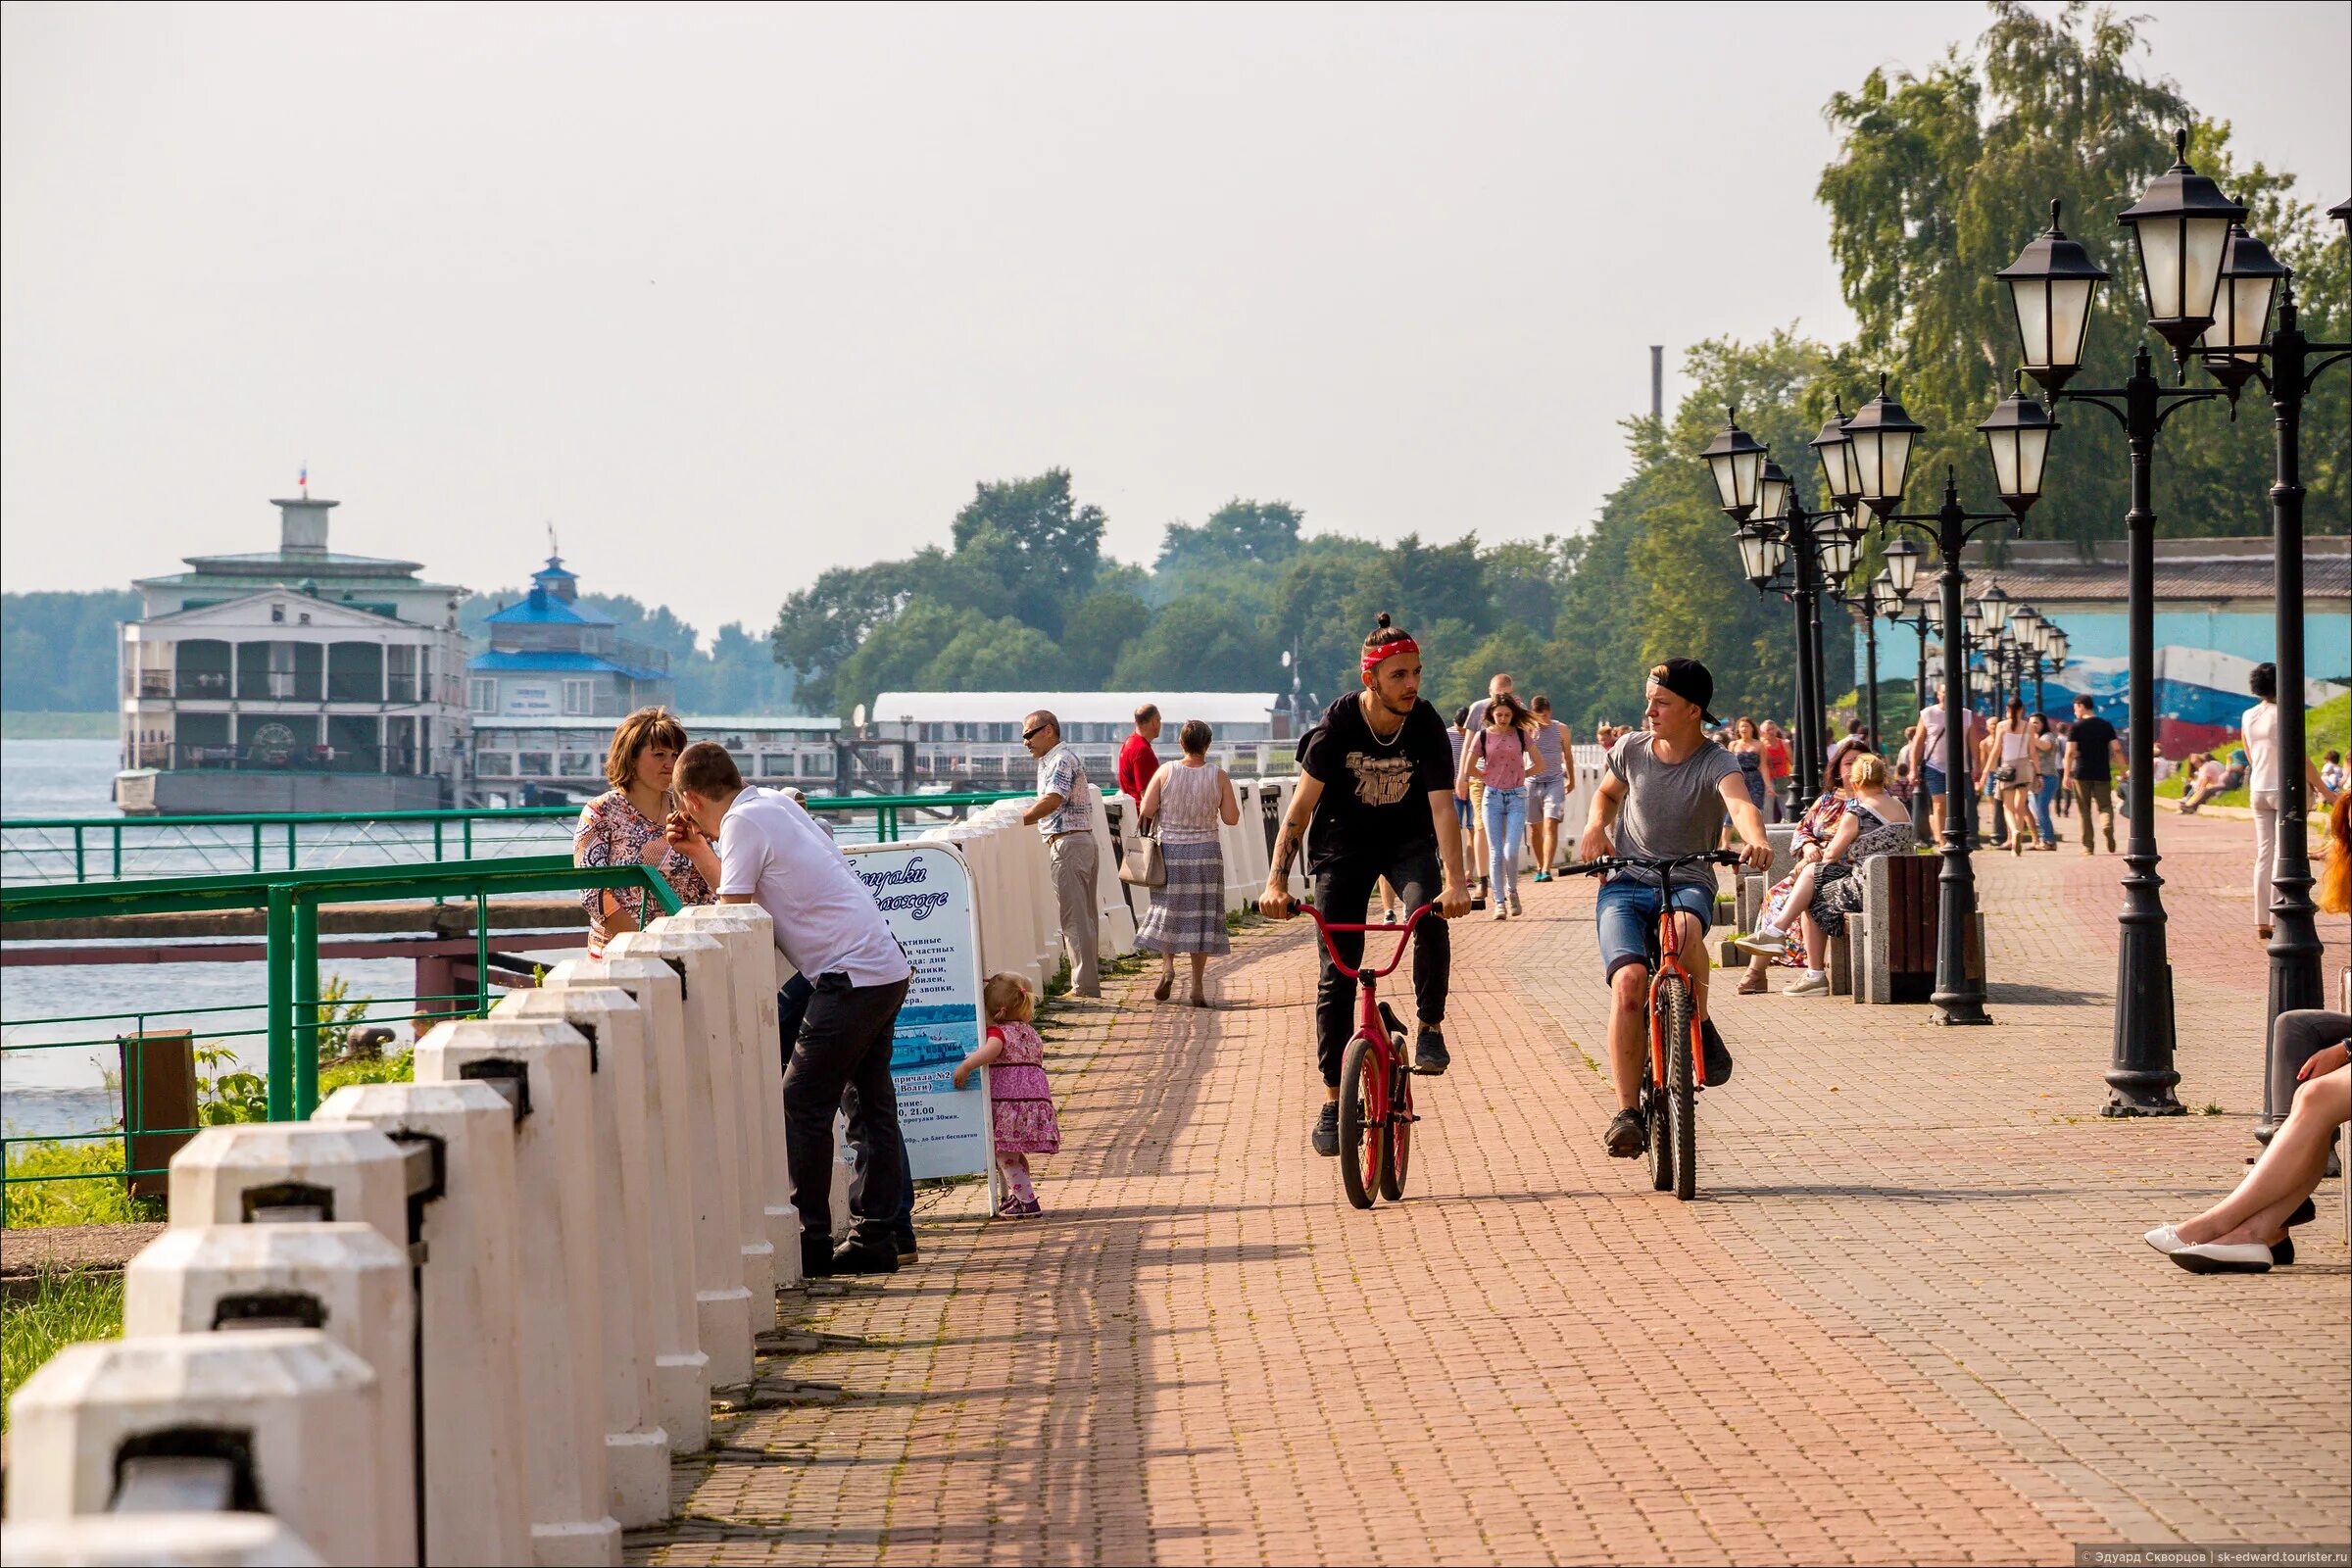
<point x="1374" y="793"/>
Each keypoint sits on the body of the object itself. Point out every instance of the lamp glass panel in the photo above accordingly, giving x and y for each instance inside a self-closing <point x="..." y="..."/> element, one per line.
<point x="2032" y="452"/>
<point x="1893" y="457"/>
<point x="2003" y="444"/>
<point x="2032" y="298"/>
<point x="1837" y="467"/>
<point x="1727" y="486"/>
<point x="2160" y="263"/>
<point x="1994" y="607"/>
<point x="1746" y="466"/>
<point x="2202" y="247"/>
<point x="2070" y="317"/>
<point x="1868" y="461"/>
<point x="2245" y="313"/>
<point x="1902" y="568"/>
<point x="1775" y="497"/>
<point x="1776" y="554"/>
<point x="1751" y="557"/>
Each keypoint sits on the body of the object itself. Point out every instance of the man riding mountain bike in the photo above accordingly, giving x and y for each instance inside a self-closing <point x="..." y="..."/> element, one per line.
<point x="1376" y="784"/>
<point x="1665" y="791"/>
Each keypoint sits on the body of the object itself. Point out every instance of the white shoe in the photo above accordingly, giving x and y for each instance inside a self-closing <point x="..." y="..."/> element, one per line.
<point x="1502" y="911"/>
<point x="2166" y="1239"/>
<point x="1515" y="909"/>
<point x="1809" y="986"/>
<point x="2224" y="1257"/>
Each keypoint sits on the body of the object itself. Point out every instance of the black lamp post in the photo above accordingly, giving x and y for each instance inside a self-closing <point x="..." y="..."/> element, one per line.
<point x="2180" y="226"/>
<point x="1756" y="494"/>
<point x="1883" y="435"/>
<point x="2250" y="278"/>
<point x="1902" y="569"/>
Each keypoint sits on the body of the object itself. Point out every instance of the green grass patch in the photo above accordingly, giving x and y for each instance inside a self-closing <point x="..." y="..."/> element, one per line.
<point x="63" y="1308"/>
<point x="29" y="724"/>
<point x="97" y="1196"/>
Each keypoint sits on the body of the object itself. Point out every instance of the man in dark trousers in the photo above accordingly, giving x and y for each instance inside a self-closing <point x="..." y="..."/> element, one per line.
<point x="771" y="853"/>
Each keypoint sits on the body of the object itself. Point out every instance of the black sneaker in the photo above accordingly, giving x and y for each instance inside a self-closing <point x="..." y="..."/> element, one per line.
<point x="1326" y="1136"/>
<point x="1625" y="1136"/>
<point x="1428" y="1051"/>
<point x="816" y="1257"/>
<point x="863" y="1255"/>
<point x="1714" y="1054"/>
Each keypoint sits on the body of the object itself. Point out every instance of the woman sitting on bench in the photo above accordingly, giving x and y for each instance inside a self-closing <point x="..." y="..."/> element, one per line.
<point x="1829" y="890"/>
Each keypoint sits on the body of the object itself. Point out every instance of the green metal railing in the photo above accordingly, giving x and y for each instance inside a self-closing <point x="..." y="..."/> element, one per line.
<point x="292" y="901"/>
<point x="44" y="850"/>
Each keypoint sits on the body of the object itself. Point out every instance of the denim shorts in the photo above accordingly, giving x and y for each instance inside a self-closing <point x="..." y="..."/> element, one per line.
<point x="1935" y="783"/>
<point x="1625" y="915"/>
<point x="1546" y="799"/>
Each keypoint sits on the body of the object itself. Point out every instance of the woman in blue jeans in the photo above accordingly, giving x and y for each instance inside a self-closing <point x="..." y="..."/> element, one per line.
<point x="2046" y="750"/>
<point x="1504" y="754"/>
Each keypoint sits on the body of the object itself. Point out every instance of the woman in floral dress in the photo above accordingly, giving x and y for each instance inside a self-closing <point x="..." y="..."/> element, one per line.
<point x="629" y="824"/>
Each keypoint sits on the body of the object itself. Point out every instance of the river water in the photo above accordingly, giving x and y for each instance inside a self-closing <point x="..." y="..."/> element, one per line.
<point x="52" y="1091"/>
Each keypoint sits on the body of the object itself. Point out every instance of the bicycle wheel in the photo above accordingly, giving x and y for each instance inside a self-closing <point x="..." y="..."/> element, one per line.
<point x="1654" y="1120"/>
<point x="1363" y="1137"/>
<point x="1681" y="1092"/>
<point x="1398" y="1151"/>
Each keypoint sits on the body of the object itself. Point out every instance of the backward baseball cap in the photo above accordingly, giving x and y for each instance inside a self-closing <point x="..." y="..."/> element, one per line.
<point x="1690" y="680"/>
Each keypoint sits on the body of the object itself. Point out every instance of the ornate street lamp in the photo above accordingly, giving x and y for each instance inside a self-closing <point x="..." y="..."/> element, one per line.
<point x="2180" y="227"/>
<point x="2051" y="285"/>
<point x="2017" y="432"/>
<point x="1902" y="568"/>
<point x="1883" y="435"/>
<point x="2252" y="278"/>
<point x="1736" y="460"/>
<point x="1836" y="450"/>
<point x="1776" y="532"/>
<point x="1994" y="602"/>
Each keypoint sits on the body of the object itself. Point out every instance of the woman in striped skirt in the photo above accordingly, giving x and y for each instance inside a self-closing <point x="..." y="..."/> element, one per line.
<point x="1188" y="798"/>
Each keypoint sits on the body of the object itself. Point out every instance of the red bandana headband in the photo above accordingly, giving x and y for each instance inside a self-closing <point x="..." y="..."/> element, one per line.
<point x="1374" y="657"/>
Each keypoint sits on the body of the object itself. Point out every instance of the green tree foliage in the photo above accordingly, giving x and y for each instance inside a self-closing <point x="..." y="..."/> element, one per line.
<point x="1031" y="538"/>
<point x="56" y="650"/>
<point x="1940" y="179"/>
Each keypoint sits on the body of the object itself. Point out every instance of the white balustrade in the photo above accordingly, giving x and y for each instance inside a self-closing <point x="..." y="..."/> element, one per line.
<point x="477" y="1468"/>
<point x="1114" y="921"/>
<point x="155" y="1541"/>
<point x="681" y="1371"/>
<point x="347" y="1279"/>
<point x="723" y="1303"/>
<point x="636" y="1447"/>
<point x="562" y="1308"/>
<point x="269" y="1421"/>
<point x="750" y="936"/>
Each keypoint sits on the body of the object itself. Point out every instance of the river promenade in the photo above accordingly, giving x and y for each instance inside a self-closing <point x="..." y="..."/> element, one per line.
<point x="1910" y="1318"/>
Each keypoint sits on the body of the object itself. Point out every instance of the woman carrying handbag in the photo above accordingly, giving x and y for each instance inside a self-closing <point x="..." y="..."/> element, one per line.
<point x="1183" y="806"/>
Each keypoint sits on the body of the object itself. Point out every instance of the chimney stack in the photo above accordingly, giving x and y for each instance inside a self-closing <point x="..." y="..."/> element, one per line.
<point x="1657" y="383"/>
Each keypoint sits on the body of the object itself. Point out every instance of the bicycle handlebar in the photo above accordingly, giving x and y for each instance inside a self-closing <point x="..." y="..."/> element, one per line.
<point x="1635" y="862"/>
<point x="1324" y="929"/>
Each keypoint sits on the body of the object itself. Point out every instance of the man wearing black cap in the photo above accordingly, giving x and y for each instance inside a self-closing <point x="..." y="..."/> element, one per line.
<point x="1665" y="793"/>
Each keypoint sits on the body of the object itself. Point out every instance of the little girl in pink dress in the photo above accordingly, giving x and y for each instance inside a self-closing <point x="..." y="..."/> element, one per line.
<point x="1020" y="1101"/>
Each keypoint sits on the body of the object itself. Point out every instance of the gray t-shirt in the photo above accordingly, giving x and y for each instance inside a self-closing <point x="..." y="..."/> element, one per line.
<point x="1671" y="808"/>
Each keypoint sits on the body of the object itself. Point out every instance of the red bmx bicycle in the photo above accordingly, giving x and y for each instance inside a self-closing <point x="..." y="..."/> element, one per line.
<point x="1376" y="1083"/>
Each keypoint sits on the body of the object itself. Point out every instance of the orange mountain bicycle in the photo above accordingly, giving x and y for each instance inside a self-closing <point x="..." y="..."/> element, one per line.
<point x="1675" y="1068"/>
<point x="1376" y="1085"/>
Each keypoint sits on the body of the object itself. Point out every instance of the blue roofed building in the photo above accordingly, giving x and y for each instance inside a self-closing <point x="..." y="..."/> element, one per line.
<point x="549" y="656"/>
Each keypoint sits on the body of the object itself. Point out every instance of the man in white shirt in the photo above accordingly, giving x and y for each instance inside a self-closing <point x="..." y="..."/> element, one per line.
<point x="1064" y="814"/>
<point x="771" y="853"/>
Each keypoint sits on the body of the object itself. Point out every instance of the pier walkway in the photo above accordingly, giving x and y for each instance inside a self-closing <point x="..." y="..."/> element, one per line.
<point x="1910" y="1318"/>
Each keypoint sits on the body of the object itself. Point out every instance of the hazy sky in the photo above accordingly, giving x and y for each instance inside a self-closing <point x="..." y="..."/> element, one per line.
<point x="732" y="295"/>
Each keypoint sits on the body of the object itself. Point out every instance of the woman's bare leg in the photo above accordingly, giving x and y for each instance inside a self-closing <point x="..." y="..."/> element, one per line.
<point x="2285" y="1174"/>
<point x="1817" y="942"/>
<point x="1800" y="896"/>
<point x="1199" y="973"/>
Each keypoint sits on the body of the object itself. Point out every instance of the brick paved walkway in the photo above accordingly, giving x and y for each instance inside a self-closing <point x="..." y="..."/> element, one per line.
<point x="1909" y="1320"/>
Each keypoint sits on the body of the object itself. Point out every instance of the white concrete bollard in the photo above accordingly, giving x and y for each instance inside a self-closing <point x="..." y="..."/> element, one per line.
<point x="347" y="1279"/>
<point x="262" y="1171"/>
<point x="476" y="1471"/>
<point x="271" y="1421"/>
<point x="1032" y="888"/>
<point x="560" y="1307"/>
<point x="636" y="1447"/>
<point x="736" y="1010"/>
<point x="723" y="1303"/>
<point x="750" y="935"/>
<point x="681" y="1371"/>
<point x="155" y="1541"/>
<point x="1114" y="922"/>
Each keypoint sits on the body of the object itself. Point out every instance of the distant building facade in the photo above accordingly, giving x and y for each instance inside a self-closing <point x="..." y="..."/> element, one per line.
<point x="975" y="737"/>
<point x="551" y="657"/>
<point x="2216" y="604"/>
<point x="296" y="680"/>
<point x="529" y="761"/>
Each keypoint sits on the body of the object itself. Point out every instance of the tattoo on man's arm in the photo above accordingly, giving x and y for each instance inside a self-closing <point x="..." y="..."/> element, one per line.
<point x="1286" y="848"/>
